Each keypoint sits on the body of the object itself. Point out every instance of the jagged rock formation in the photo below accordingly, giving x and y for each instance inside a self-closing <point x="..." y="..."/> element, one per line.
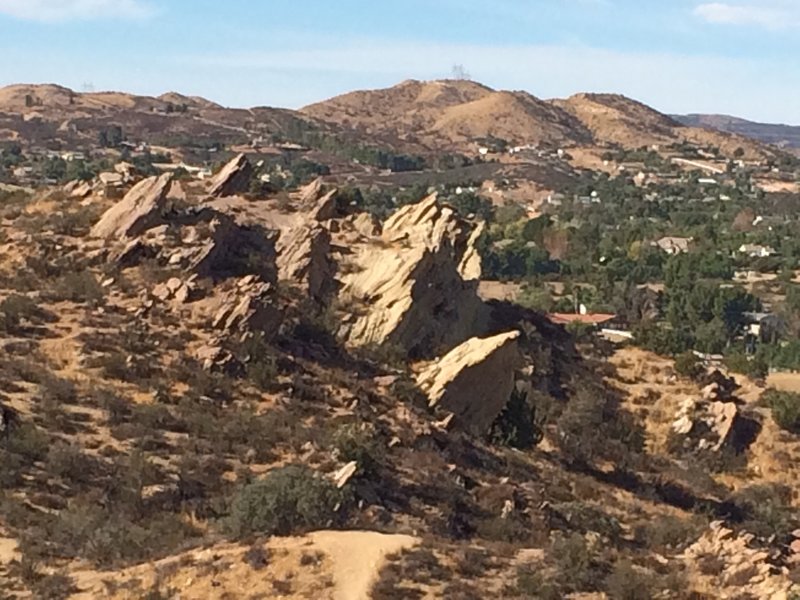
<point x="433" y="224"/>
<point x="140" y="209"/>
<point x="407" y="289"/>
<point x="474" y="381"/>
<point x="714" y="421"/>
<point x="304" y="259"/>
<point x="234" y="178"/>
<point x="745" y="571"/>
<point x="249" y="307"/>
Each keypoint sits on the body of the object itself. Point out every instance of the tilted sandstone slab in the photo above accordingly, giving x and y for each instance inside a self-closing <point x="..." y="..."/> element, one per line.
<point x="407" y="289"/>
<point x="140" y="209"/>
<point x="435" y="225"/>
<point x="234" y="178"/>
<point x="304" y="259"/>
<point x="475" y="380"/>
<point x="412" y="298"/>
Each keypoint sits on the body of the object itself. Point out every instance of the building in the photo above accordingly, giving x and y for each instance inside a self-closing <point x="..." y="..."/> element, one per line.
<point x="757" y="250"/>
<point x="674" y="245"/>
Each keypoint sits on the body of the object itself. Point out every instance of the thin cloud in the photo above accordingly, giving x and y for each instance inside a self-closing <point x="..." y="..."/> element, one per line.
<point x="767" y="15"/>
<point x="49" y="11"/>
<point x="666" y="80"/>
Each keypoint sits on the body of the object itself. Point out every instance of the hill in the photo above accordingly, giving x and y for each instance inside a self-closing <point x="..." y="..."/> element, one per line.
<point x="786" y="136"/>
<point x="453" y="115"/>
<point x="207" y="393"/>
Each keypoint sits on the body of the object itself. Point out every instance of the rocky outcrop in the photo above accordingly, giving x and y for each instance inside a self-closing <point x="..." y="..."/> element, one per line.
<point x="311" y="192"/>
<point x="227" y="249"/>
<point x="304" y="259"/>
<point x="436" y="225"/>
<point x="140" y="209"/>
<point x="175" y="289"/>
<point x="249" y="307"/>
<point x="744" y="571"/>
<point x="714" y="422"/>
<point x="234" y="178"/>
<point x="474" y="381"/>
<point x="406" y="287"/>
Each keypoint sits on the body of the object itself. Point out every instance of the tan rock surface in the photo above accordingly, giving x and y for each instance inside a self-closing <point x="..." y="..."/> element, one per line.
<point x="474" y="380"/>
<point x="140" y="209"/>
<point x="234" y="178"/>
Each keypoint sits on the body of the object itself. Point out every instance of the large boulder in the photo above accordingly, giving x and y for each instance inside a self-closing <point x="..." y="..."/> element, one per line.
<point x="304" y="259"/>
<point x="141" y="209"/>
<point x="474" y="381"/>
<point x="234" y="178"/>
<point x="406" y="288"/>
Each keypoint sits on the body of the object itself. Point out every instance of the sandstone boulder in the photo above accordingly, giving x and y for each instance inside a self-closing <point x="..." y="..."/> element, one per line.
<point x="140" y="209"/>
<point x="311" y="192"/>
<point x="435" y="225"/>
<point x="406" y="288"/>
<point x="710" y="425"/>
<point x="304" y="258"/>
<point x="475" y="380"/>
<point x="234" y="178"/>
<point x="250" y="307"/>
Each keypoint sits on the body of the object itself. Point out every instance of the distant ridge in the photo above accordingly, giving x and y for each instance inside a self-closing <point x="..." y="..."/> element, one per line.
<point x="787" y="136"/>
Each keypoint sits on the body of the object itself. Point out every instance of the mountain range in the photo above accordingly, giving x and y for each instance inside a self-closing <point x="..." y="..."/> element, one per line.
<point x="419" y="117"/>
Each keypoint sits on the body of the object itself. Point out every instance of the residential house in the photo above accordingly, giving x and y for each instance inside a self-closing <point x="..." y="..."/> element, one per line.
<point x="674" y="245"/>
<point x="757" y="250"/>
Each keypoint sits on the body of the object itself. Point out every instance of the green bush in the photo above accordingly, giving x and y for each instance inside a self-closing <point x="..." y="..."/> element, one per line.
<point x="785" y="409"/>
<point x="14" y="310"/>
<point x="688" y="365"/>
<point x="288" y="500"/>
<point x="358" y="443"/>
<point x="627" y="583"/>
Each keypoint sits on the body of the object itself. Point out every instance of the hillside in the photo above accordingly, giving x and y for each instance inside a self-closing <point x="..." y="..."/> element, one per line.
<point x="452" y="115"/>
<point x="787" y="136"/>
<point x="210" y="392"/>
<point x="61" y="119"/>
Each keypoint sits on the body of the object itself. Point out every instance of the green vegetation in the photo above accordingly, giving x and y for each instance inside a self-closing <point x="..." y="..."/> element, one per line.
<point x="289" y="500"/>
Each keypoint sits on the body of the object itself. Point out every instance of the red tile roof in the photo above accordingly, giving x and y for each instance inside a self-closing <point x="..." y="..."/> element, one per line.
<point x="565" y="318"/>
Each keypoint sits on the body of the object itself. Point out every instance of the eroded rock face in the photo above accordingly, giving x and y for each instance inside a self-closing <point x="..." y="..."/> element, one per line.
<point x="475" y="380"/>
<point x="435" y="225"/>
<point x="746" y="569"/>
<point x="234" y="178"/>
<point x="304" y="259"/>
<point x="712" y="423"/>
<point x="406" y="288"/>
<point x="141" y="209"/>
<point x="249" y="307"/>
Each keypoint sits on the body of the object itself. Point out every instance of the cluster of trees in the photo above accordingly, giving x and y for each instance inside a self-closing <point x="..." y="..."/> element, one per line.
<point x="301" y="132"/>
<point x="111" y="136"/>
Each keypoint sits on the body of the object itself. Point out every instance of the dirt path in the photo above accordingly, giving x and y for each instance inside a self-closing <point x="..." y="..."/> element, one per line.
<point x="358" y="558"/>
<point x="326" y="565"/>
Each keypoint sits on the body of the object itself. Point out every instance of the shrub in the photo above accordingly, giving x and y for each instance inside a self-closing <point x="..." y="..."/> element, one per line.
<point x="785" y="409"/>
<point x="576" y="564"/>
<point x="79" y="287"/>
<point x="288" y="500"/>
<point x="532" y="583"/>
<point x="627" y="583"/>
<point x="358" y="443"/>
<point x="517" y="426"/>
<point x="689" y="365"/>
<point x="14" y="310"/>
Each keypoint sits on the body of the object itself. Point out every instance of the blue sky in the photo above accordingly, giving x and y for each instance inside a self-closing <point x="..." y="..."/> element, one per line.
<point x="736" y="56"/>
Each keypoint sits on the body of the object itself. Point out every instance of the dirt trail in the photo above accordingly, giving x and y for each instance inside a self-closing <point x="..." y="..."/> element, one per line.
<point x="326" y="565"/>
<point x="358" y="558"/>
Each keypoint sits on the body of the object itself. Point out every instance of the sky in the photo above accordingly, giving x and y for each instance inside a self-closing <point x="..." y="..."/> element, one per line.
<point x="736" y="57"/>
